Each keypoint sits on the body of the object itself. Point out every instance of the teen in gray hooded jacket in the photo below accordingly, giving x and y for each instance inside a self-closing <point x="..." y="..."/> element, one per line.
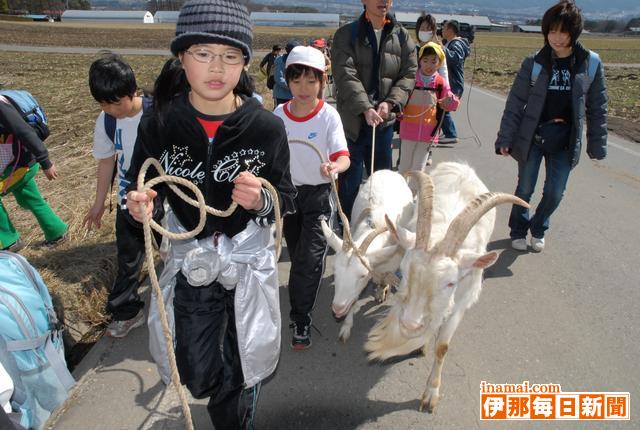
<point x="545" y="119"/>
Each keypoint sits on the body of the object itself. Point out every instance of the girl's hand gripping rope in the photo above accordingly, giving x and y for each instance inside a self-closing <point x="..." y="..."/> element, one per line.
<point x="134" y="198"/>
<point x="247" y="191"/>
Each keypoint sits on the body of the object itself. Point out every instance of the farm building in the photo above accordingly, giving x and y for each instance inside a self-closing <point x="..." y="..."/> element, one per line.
<point x="295" y="19"/>
<point x="140" y="16"/>
<point x="482" y="23"/>
<point x="529" y="29"/>
<point x="166" y="16"/>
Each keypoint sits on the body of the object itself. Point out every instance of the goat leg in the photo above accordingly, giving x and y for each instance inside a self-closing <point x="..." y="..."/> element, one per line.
<point x="431" y="395"/>
<point x="345" y="328"/>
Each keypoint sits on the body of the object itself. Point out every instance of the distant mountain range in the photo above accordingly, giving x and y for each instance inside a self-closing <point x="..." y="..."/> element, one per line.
<point x="592" y="9"/>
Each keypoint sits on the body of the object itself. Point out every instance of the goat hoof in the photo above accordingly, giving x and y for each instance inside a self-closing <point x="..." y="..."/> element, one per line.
<point x="344" y="334"/>
<point x="428" y="403"/>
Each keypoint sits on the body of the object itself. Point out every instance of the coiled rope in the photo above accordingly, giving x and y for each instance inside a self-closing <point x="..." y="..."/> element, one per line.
<point x="203" y="210"/>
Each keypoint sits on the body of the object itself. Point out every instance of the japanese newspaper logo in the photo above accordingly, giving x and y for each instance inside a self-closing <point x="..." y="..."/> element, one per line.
<point x="527" y="401"/>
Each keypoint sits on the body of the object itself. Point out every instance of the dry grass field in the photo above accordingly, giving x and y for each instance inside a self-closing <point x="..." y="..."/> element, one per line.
<point x="78" y="271"/>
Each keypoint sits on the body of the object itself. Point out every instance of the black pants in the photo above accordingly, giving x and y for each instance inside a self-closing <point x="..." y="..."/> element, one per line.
<point x="307" y="248"/>
<point x="124" y="301"/>
<point x="207" y="353"/>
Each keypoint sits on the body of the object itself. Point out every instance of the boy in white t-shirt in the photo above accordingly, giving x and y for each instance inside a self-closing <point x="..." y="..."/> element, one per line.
<point x="308" y="117"/>
<point x="113" y="85"/>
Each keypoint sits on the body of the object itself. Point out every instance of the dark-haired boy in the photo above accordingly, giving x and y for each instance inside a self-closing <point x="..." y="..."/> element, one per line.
<point x="113" y="85"/>
<point x="306" y="116"/>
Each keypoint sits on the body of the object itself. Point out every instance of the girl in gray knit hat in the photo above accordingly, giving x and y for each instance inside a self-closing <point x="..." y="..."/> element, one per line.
<point x="206" y="127"/>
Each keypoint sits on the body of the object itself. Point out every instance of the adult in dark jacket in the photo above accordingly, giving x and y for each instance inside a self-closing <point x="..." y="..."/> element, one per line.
<point x="556" y="106"/>
<point x="374" y="69"/>
<point x="25" y="153"/>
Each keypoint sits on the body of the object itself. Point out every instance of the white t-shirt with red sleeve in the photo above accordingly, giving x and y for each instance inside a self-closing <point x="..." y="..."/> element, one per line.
<point x="323" y="128"/>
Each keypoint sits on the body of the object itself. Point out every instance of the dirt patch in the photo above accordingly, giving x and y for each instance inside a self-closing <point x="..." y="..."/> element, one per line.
<point x="625" y="128"/>
<point x="156" y="36"/>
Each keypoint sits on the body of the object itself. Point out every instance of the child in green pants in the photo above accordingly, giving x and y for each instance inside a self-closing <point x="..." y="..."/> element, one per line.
<point x="21" y="155"/>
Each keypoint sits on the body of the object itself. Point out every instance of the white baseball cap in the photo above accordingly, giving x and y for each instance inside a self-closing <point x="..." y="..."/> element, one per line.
<point x="307" y="56"/>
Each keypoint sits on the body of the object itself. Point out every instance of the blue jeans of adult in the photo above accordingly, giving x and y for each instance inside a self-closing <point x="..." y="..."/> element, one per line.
<point x="360" y="154"/>
<point x="557" y="169"/>
<point x="448" y="127"/>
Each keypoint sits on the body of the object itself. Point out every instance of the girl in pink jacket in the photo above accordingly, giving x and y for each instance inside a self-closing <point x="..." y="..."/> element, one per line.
<point x="422" y="116"/>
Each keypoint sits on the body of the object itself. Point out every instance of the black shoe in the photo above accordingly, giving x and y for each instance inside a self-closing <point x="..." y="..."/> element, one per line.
<point x="15" y="246"/>
<point x="448" y="140"/>
<point x="55" y="242"/>
<point x="301" y="338"/>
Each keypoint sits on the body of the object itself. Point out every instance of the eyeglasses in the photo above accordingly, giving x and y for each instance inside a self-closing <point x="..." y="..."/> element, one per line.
<point x="231" y="58"/>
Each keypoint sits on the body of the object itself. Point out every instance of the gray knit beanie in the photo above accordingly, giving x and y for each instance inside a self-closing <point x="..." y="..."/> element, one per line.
<point x="213" y="21"/>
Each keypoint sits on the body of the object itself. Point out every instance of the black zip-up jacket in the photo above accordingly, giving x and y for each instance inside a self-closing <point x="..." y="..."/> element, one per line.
<point x="27" y="146"/>
<point x="251" y="138"/>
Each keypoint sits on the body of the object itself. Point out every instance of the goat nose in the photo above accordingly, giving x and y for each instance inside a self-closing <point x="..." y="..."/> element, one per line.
<point x="338" y="310"/>
<point x="412" y="324"/>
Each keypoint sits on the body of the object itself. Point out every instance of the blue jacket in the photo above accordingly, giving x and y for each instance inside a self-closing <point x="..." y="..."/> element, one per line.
<point x="525" y="104"/>
<point x="280" y="88"/>
<point x="456" y="51"/>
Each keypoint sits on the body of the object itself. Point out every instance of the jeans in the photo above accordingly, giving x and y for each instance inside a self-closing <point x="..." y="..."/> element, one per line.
<point x="360" y="154"/>
<point x="448" y="127"/>
<point x="557" y="169"/>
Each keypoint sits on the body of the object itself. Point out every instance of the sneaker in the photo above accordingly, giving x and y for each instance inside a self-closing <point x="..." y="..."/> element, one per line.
<point x="55" y="242"/>
<point x="15" y="246"/>
<point x="537" y="244"/>
<point x="519" y="244"/>
<point x="448" y="140"/>
<point x="119" y="329"/>
<point x="301" y="336"/>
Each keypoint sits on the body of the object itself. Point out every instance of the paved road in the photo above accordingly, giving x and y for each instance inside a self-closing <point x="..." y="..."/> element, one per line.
<point x="567" y="316"/>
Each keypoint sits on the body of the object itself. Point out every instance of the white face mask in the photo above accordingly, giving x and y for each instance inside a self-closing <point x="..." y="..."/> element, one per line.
<point x="425" y="36"/>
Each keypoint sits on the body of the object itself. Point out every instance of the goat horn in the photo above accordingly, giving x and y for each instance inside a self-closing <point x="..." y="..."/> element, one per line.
<point x="425" y="208"/>
<point x="370" y="237"/>
<point x="347" y="240"/>
<point x="464" y="222"/>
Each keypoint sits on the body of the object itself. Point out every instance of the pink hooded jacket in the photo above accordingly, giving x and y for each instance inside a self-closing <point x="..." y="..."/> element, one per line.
<point x="419" y="121"/>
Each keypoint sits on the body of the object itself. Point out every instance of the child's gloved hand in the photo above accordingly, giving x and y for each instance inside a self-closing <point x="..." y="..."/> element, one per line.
<point x="445" y="102"/>
<point x="247" y="191"/>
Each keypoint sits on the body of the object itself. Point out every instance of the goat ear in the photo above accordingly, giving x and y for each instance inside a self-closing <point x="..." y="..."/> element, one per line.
<point x="332" y="238"/>
<point x="392" y="228"/>
<point x="404" y="237"/>
<point x="380" y="255"/>
<point x="471" y="260"/>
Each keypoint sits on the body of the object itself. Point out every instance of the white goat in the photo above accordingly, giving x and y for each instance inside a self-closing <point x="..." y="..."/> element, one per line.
<point x="384" y="192"/>
<point x="442" y="268"/>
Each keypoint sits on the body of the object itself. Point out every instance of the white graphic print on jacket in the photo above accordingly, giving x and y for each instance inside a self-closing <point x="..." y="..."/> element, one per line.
<point x="179" y="163"/>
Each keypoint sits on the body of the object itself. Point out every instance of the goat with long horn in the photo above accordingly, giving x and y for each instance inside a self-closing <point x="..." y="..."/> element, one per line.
<point x="442" y="268"/>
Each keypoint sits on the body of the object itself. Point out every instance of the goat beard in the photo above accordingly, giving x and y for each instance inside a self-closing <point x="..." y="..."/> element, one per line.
<point x="387" y="339"/>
